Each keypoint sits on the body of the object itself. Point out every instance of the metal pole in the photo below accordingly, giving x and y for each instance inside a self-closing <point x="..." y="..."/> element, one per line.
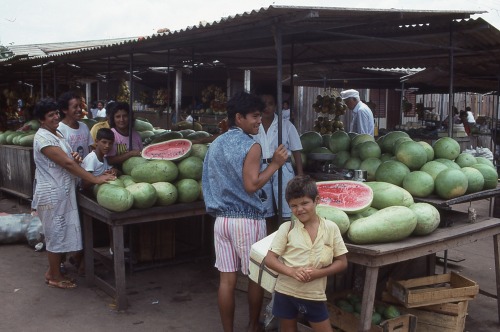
<point x="169" y="114"/>
<point x="131" y="101"/>
<point x="292" y="89"/>
<point x="54" y="81"/>
<point x="41" y="79"/>
<point x="279" y="97"/>
<point x="451" y="96"/>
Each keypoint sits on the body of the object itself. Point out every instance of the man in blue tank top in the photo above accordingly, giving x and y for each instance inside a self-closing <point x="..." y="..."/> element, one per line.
<point x="232" y="183"/>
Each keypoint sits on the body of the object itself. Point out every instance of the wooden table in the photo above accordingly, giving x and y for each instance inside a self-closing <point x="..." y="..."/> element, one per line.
<point x="91" y="209"/>
<point x="377" y="255"/>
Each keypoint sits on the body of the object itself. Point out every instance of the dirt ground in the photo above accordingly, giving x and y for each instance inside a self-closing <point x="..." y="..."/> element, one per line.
<point x="179" y="297"/>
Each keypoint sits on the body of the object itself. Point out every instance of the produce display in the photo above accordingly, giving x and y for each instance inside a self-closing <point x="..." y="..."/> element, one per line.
<point x="24" y="136"/>
<point x="408" y="164"/>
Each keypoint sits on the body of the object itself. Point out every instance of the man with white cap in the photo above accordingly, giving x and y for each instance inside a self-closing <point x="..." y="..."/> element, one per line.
<point x="362" y="116"/>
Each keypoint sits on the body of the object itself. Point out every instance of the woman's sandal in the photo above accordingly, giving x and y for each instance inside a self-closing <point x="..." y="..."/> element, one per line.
<point x="63" y="284"/>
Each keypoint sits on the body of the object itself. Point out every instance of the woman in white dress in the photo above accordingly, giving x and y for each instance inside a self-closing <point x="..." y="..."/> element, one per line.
<point x="55" y="192"/>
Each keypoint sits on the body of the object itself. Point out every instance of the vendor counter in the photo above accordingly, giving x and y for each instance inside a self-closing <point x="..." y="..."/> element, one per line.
<point x="17" y="170"/>
<point x="375" y="256"/>
<point x="90" y="210"/>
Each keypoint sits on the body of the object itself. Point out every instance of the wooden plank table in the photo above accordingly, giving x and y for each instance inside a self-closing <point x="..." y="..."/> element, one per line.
<point x="91" y="209"/>
<point x="377" y="255"/>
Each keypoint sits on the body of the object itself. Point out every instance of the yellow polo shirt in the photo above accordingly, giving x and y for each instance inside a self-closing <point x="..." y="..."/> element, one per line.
<point x="297" y="250"/>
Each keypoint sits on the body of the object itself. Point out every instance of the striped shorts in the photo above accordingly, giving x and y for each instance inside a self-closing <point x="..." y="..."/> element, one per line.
<point x="233" y="239"/>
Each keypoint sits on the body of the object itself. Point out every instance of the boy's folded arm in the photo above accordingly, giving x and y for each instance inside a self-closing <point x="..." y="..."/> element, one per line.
<point x="272" y="261"/>
<point x="338" y="265"/>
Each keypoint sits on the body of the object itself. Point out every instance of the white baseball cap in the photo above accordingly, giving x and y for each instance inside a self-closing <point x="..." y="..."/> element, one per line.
<point x="349" y="94"/>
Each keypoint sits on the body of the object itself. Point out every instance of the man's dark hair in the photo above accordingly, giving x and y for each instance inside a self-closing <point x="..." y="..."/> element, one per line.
<point x="243" y="103"/>
<point x="64" y="99"/>
<point x="105" y="133"/>
<point x="301" y="186"/>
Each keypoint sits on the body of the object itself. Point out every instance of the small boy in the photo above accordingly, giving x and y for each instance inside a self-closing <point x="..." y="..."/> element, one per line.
<point x="96" y="162"/>
<point x="304" y="256"/>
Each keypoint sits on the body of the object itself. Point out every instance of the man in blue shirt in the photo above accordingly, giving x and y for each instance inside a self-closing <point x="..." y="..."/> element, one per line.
<point x="362" y="117"/>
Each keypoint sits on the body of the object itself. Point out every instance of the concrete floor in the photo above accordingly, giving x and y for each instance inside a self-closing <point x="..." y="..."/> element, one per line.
<point x="180" y="297"/>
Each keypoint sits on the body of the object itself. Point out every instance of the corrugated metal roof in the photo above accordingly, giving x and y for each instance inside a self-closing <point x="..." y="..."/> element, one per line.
<point x="332" y="45"/>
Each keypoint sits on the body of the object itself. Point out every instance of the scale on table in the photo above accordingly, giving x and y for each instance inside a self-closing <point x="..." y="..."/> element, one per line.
<point x="324" y="169"/>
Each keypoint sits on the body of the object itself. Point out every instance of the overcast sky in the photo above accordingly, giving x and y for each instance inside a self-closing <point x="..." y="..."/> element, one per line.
<point x="34" y="21"/>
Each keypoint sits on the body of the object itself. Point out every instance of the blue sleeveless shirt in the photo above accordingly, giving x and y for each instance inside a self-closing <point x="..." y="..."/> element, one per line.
<point x="222" y="181"/>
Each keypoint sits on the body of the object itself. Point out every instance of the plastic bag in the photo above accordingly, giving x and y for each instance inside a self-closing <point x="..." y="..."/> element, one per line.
<point x="19" y="228"/>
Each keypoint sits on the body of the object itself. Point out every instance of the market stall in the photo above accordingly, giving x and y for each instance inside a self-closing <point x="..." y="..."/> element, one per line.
<point x="90" y="210"/>
<point x="17" y="170"/>
<point x="373" y="257"/>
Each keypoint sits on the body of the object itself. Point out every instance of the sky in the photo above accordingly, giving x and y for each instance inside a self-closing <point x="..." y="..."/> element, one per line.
<point x="25" y="22"/>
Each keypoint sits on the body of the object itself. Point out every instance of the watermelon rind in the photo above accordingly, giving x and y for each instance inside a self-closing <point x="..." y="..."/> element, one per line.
<point x="174" y="150"/>
<point x="349" y="196"/>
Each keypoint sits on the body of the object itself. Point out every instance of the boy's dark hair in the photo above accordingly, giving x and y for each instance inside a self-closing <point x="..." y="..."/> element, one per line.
<point x="118" y="106"/>
<point x="105" y="133"/>
<point x="45" y="106"/>
<point x="64" y="99"/>
<point x="243" y="103"/>
<point x="301" y="186"/>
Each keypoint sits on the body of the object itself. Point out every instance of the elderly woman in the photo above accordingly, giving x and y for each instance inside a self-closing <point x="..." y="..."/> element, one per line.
<point x="55" y="192"/>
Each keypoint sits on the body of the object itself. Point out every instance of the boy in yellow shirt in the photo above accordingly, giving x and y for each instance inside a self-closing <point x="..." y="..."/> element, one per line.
<point x="312" y="250"/>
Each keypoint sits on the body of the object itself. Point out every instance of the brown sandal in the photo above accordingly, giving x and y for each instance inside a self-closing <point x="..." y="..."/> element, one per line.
<point x="63" y="284"/>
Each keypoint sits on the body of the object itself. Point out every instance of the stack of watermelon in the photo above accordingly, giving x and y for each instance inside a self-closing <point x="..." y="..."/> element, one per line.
<point x="375" y="212"/>
<point x="24" y="136"/>
<point x="167" y="173"/>
<point x="415" y="166"/>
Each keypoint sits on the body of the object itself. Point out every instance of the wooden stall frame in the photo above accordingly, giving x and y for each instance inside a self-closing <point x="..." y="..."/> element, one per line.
<point x="117" y="220"/>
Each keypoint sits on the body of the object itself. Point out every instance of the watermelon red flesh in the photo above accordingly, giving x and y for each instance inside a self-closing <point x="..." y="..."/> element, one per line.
<point x="174" y="149"/>
<point x="350" y="196"/>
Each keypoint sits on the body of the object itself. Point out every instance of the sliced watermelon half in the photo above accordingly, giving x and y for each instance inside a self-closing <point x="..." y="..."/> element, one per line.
<point x="175" y="149"/>
<point x="349" y="196"/>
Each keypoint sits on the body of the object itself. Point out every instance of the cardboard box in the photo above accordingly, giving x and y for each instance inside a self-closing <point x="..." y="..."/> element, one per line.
<point x="258" y="272"/>
<point x="425" y="291"/>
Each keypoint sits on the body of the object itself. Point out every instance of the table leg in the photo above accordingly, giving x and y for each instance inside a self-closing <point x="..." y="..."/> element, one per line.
<point x="119" y="267"/>
<point x="496" y="246"/>
<point x="88" y="249"/>
<point x="369" y="288"/>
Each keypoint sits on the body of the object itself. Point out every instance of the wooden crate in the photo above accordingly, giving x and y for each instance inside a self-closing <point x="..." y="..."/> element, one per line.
<point x="442" y="288"/>
<point x="445" y="317"/>
<point x="155" y="241"/>
<point x="17" y="170"/>
<point x="348" y="322"/>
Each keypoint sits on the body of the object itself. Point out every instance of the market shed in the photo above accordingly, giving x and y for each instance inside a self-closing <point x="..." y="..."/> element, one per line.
<point x="317" y="47"/>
